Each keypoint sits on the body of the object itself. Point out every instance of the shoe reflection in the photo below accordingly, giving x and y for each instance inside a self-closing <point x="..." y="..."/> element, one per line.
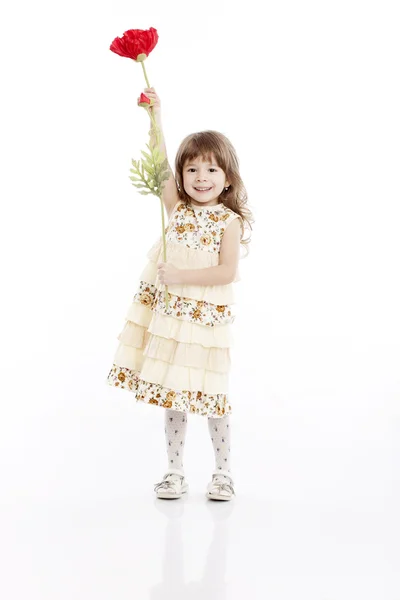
<point x="212" y="585"/>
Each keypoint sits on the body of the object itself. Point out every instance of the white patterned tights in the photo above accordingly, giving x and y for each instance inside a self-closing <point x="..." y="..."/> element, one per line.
<point x="175" y="433"/>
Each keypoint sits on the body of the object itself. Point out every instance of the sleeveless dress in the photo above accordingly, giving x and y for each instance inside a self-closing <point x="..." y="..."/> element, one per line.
<point x="179" y="358"/>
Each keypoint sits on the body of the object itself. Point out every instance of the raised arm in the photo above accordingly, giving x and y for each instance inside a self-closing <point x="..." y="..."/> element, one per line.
<point x="170" y="193"/>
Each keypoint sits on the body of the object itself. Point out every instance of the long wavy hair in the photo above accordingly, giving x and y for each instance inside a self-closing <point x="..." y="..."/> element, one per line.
<point x="204" y="144"/>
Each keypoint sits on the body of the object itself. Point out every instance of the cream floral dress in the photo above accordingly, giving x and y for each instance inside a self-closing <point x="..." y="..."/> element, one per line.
<point x="179" y="358"/>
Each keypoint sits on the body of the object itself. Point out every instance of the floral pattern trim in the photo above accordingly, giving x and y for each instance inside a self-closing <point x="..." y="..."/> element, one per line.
<point x="202" y="229"/>
<point x="210" y="405"/>
<point x="186" y="309"/>
<point x="145" y="294"/>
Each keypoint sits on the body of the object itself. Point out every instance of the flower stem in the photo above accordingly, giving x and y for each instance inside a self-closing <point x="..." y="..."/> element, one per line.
<point x="156" y="131"/>
<point x="164" y="249"/>
<point x="155" y="126"/>
<point x="145" y="74"/>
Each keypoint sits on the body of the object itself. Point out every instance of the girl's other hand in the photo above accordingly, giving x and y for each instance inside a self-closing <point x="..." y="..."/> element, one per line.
<point x="168" y="274"/>
<point x="151" y="93"/>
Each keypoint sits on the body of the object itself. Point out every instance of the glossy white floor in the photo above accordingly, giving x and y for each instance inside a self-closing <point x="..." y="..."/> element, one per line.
<point x="315" y="517"/>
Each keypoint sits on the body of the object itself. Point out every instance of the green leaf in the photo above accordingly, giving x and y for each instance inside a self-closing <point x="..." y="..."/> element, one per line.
<point x="147" y="156"/>
<point x="164" y="164"/>
<point x="149" y="169"/>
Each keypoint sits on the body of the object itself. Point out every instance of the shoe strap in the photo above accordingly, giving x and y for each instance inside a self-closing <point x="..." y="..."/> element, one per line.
<point x="167" y="482"/>
<point x="219" y="486"/>
<point x="175" y="472"/>
<point x="223" y="472"/>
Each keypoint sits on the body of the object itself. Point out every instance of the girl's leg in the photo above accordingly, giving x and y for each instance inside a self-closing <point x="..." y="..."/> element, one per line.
<point x="220" y="433"/>
<point x="175" y="434"/>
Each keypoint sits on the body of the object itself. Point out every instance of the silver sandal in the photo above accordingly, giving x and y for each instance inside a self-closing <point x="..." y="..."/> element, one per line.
<point x="219" y="488"/>
<point x="173" y="485"/>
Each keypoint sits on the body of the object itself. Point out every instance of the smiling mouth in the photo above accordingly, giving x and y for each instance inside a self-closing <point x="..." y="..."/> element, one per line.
<point x="202" y="189"/>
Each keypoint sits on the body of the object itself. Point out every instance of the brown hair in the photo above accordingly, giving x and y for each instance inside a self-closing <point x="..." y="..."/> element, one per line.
<point x="205" y="143"/>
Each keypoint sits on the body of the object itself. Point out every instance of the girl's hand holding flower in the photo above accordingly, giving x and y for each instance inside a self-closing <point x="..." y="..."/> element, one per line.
<point x="168" y="274"/>
<point x="152" y="100"/>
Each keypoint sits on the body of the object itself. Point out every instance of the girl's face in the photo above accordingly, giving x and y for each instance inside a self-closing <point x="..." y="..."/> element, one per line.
<point x="199" y="175"/>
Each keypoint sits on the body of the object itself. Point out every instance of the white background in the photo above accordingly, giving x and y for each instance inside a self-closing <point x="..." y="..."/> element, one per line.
<point x="308" y="92"/>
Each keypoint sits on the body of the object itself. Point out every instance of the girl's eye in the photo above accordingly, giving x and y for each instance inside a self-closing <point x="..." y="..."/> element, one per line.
<point x="193" y="169"/>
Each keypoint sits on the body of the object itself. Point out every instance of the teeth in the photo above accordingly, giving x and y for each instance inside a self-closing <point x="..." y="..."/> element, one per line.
<point x="202" y="189"/>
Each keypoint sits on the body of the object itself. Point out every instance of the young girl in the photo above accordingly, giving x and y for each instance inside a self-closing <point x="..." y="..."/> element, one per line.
<point x="179" y="358"/>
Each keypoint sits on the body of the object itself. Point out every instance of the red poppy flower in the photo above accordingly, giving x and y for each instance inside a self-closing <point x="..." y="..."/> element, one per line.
<point x="135" y="43"/>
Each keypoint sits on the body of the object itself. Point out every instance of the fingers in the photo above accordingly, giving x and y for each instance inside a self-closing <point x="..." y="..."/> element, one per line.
<point x="152" y="95"/>
<point x="150" y="92"/>
<point x="160" y="271"/>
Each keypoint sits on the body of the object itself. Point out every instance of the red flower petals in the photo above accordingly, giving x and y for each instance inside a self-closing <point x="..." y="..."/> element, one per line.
<point x="135" y="43"/>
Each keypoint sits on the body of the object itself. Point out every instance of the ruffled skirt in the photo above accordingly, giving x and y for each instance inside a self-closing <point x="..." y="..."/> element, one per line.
<point x="177" y="358"/>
